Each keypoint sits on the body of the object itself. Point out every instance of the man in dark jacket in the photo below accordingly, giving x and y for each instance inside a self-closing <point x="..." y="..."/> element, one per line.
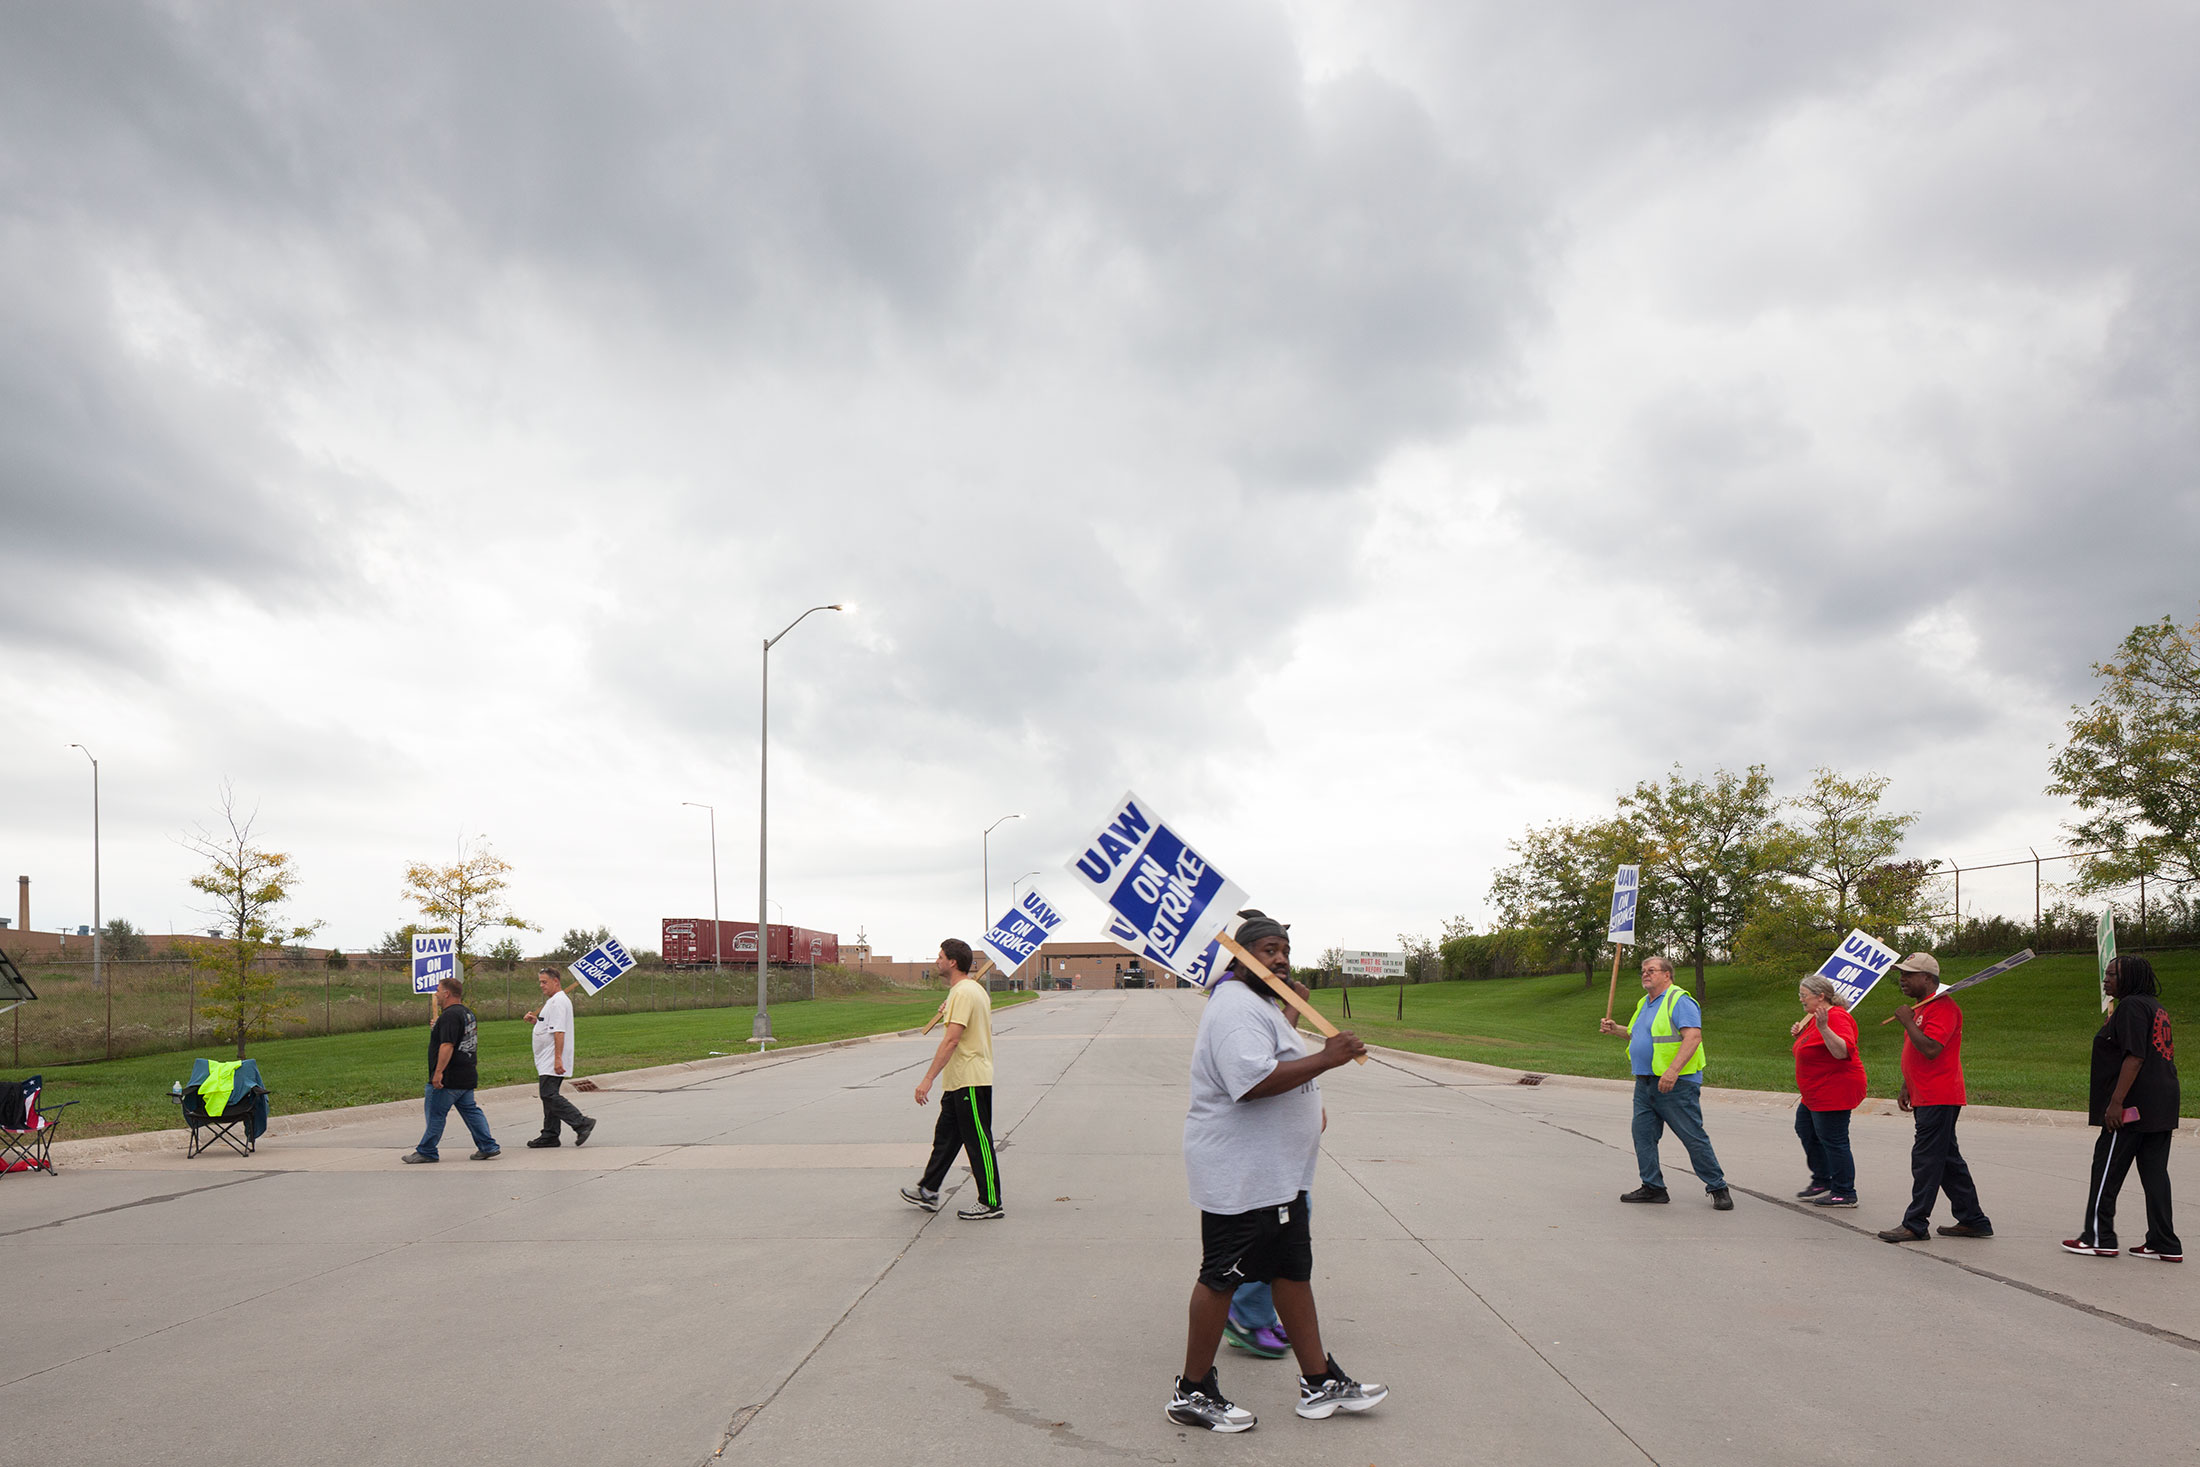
<point x="453" y="1051"/>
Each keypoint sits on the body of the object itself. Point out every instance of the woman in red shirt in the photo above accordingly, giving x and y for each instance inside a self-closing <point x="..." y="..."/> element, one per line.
<point x="1830" y="1074"/>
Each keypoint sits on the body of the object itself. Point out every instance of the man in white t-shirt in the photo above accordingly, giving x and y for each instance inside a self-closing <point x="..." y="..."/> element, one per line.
<point x="554" y="1062"/>
<point x="1252" y="1136"/>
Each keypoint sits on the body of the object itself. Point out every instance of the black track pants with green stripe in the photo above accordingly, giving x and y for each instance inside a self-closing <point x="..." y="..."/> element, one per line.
<point x="966" y="1124"/>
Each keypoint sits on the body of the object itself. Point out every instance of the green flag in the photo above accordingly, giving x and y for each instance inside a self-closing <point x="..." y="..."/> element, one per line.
<point x="2104" y="946"/>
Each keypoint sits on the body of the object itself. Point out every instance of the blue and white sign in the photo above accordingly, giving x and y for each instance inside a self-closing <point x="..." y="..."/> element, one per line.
<point x="1204" y="969"/>
<point x="1859" y="962"/>
<point x="1013" y="939"/>
<point x="435" y="958"/>
<point x="1170" y="896"/>
<point x="600" y="965"/>
<point x="1626" y="886"/>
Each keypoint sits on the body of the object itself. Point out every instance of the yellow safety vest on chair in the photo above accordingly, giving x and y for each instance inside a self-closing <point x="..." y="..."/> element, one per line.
<point x="1665" y="1041"/>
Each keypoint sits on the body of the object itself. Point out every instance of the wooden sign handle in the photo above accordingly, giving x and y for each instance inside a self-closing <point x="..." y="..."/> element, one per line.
<point x="985" y="966"/>
<point x="1284" y="990"/>
<point x="1612" y="999"/>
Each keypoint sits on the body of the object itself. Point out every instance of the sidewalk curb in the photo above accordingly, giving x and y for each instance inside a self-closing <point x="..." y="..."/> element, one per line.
<point x="99" y="1148"/>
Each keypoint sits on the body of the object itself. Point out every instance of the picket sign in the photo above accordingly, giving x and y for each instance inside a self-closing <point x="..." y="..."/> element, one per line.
<point x="1976" y="978"/>
<point x="2104" y="948"/>
<point x="985" y="966"/>
<point x="1857" y="965"/>
<point x="1619" y="931"/>
<point x="1169" y="903"/>
<point x="1626" y="886"/>
<point x="434" y="958"/>
<point x="601" y="966"/>
<point x="1166" y="899"/>
<point x="1201" y="972"/>
<point x="1012" y="940"/>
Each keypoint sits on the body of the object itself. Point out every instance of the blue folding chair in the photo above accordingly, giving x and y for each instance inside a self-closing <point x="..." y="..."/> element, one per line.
<point x="245" y="1110"/>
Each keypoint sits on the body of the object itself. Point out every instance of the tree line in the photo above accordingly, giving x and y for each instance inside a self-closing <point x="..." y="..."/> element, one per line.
<point x="1732" y="870"/>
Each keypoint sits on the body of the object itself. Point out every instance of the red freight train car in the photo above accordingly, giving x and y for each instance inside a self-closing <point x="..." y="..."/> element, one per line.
<point x="687" y="944"/>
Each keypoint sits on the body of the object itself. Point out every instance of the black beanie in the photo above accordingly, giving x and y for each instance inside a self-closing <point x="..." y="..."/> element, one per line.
<point x="1257" y="925"/>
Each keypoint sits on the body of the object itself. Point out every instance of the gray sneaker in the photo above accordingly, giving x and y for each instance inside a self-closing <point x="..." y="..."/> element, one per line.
<point x="929" y="1201"/>
<point x="1321" y="1399"/>
<point x="1201" y="1403"/>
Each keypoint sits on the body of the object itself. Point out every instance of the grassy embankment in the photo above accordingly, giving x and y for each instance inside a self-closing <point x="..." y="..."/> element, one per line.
<point x="2027" y="1035"/>
<point x="334" y="1071"/>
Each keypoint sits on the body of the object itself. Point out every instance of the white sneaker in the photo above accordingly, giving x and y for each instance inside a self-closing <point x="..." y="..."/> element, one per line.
<point x="1321" y="1399"/>
<point x="1201" y="1403"/>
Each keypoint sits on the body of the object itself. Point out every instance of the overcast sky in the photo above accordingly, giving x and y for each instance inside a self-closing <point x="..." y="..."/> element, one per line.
<point x="1363" y="429"/>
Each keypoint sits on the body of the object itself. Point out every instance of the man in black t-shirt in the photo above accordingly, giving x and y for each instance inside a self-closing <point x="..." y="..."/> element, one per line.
<point x="2134" y="1100"/>
<point x="453" y="1070"/>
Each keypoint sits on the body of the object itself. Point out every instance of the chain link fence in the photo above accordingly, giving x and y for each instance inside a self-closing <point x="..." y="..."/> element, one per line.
<point x="153" y="1005"/>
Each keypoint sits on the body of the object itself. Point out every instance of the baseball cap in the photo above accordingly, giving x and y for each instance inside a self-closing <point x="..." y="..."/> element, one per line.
<point x="1920" y="963"/>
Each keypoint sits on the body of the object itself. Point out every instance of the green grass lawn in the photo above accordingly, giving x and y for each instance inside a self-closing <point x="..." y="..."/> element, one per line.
<point x="2027" y="1035"/>
<point x="333" y="1071"/>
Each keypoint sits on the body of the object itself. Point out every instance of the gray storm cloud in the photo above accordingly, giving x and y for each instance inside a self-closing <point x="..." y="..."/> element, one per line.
<point x="564" y="350"/>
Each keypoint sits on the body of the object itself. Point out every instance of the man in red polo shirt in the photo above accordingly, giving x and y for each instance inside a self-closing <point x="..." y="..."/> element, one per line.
<point x="1932" y="1089"/>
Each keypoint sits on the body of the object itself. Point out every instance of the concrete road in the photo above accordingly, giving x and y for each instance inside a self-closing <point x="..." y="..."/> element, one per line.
<point x="726" y="1272"/>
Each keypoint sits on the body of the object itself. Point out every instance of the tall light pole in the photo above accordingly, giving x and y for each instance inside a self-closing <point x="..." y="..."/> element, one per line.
<point x="715" y="968"/>
<point x="985" y="918"/>
<point x="99" y="972"/>
<point x="1014" y="895"/>
<point x="761" y="1032"/>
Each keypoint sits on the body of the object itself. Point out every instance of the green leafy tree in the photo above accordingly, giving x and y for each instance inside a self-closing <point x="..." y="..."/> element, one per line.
<point x="397" y="944"/>
<point x="1560" y="885"/>
<point x="124" y="942"/>
<point x="1840" y="871"/>
<point x="506" y="954"/>
<point x="465" y="898"/>
<point x="1423" y="965"/>
<point x="578" y="940"/>
<point x="1838" y="836"/>
<point x="249" y="887"/>
<point x="1708" y="849"/>
<point x="2132" y="762"/>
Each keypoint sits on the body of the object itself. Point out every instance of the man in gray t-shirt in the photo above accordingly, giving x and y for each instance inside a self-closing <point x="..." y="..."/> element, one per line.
<point x="1251" y="1138"/>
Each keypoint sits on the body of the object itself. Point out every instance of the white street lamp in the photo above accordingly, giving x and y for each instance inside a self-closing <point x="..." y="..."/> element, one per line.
<point x="99" y="972"/>
<point x="985" y="917"/>
<point x="761" y="1032"/>
<point x="715" y="967"/>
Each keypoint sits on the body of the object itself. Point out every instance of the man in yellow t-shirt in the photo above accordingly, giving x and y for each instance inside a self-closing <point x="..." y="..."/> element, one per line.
<point x="963" y="1064"/>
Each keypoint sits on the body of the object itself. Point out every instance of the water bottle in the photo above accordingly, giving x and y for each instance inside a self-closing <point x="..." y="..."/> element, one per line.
<point x="176" y="1089"/>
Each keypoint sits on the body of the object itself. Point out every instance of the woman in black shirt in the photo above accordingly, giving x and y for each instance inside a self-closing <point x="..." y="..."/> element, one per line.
<point x="2135" y="1102"/>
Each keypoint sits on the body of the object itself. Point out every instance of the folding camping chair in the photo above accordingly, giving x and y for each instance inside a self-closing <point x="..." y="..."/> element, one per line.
<point x="246" y="1110"/>
<point x="29" y="1148"/>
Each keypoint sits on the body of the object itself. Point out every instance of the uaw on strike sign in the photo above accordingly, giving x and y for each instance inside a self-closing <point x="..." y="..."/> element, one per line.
<point x="1859" y="962"/>
<point x="434" y="958"/>
<point x="1013" y="939"/>
<point x="1166" y="900"/>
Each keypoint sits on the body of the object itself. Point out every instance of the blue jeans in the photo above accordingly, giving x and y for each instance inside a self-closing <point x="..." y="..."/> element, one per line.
<point x="1682" y="1109"/>
<point x="440" y="1103"/>
<point x="1825" y="1138"/>
<point x="1254" y="1306"/>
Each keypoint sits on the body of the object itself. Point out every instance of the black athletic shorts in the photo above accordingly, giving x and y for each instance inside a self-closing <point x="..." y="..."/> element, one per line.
<point x="1260" y="1246"/>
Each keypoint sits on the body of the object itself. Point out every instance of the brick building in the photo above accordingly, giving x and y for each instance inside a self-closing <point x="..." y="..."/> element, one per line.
<point x="1093" y="965"/>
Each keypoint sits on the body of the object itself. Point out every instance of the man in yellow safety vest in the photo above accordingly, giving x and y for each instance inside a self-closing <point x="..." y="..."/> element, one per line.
<point x="1665" y="1050"/>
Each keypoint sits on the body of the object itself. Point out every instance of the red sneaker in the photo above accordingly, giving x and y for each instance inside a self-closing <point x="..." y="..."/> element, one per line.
<point x="2074" y="1245"/>
<point x="2143" y="1251"/>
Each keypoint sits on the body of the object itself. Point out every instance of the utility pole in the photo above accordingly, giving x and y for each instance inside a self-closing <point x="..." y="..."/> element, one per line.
<point x="99" y="971"/>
